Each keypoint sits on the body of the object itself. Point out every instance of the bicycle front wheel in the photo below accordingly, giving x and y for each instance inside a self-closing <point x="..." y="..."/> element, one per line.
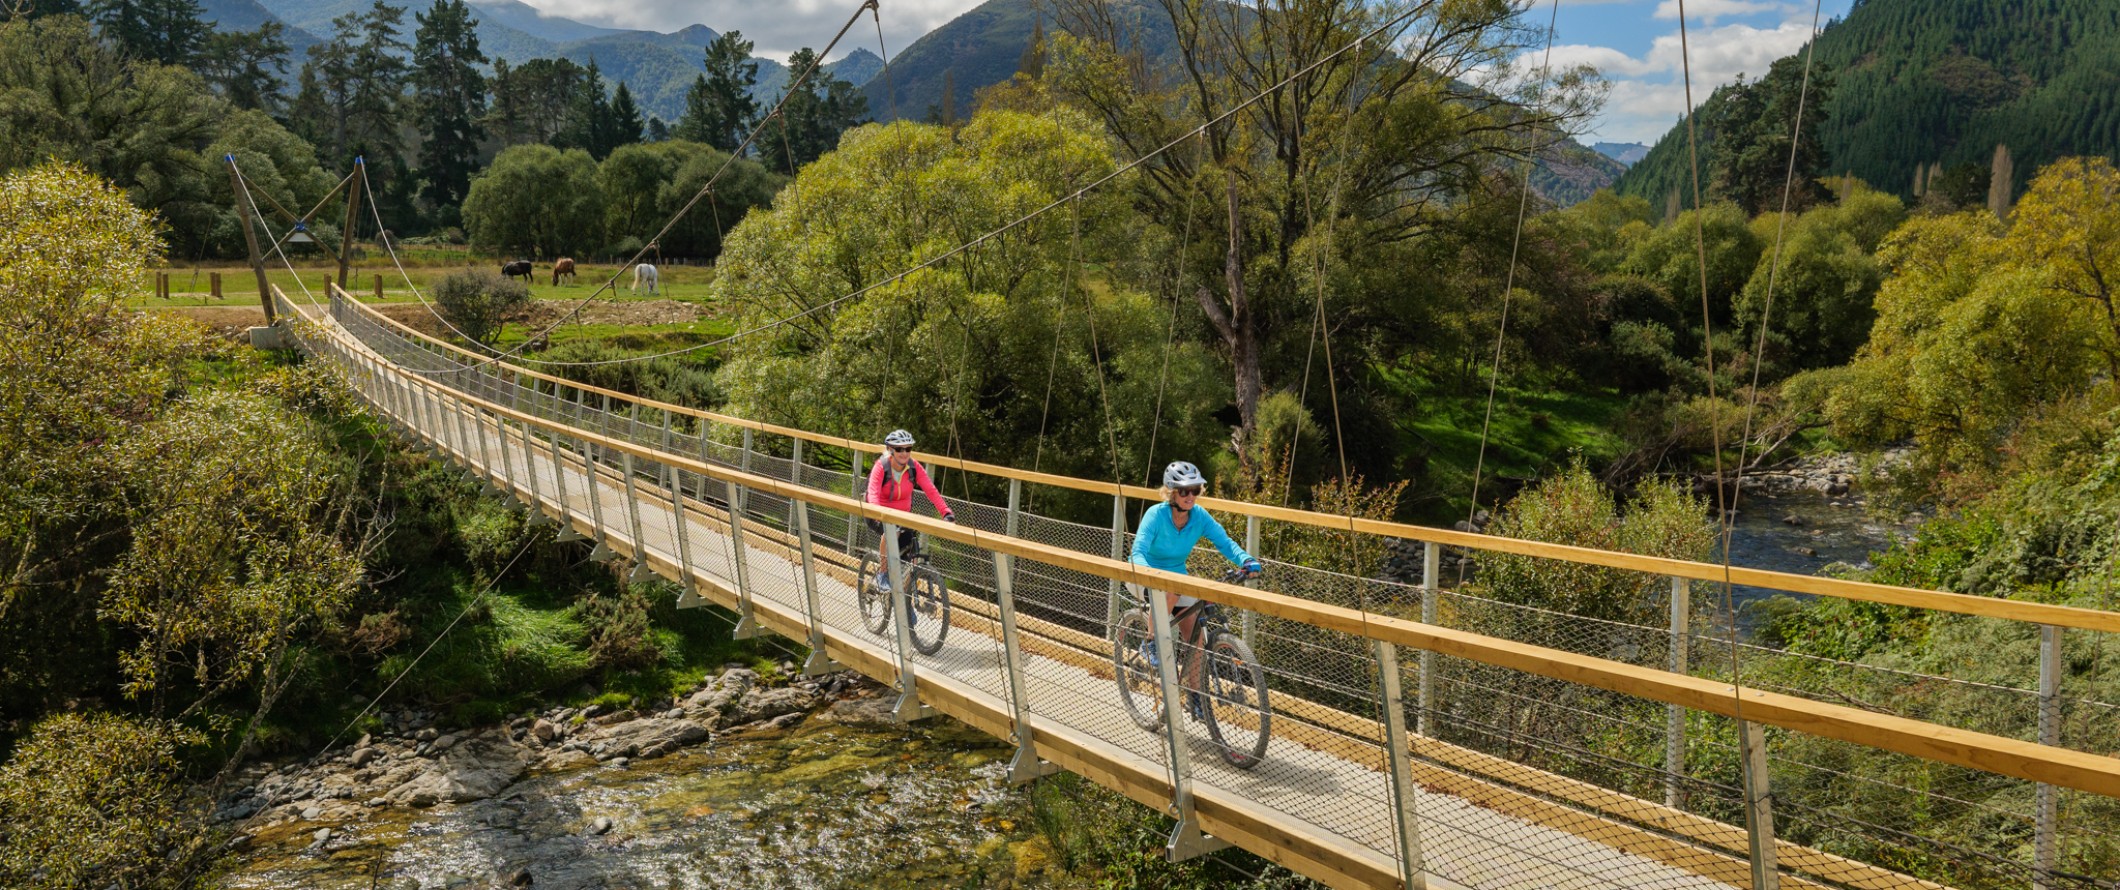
<point x="875" y="604"/>
<point x="1238" y="716"/>
<point x="1140" y="685"/>
<point x="928" y="599"/>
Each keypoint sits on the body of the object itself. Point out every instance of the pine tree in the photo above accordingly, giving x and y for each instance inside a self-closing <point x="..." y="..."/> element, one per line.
<point x="720" y="106"/>
<point x="166" y="31"/>
<point x="625" y="126"/>
<point x="242" y="65"/>
<point x="449" y="96"/>
<point x="589" y="125"/>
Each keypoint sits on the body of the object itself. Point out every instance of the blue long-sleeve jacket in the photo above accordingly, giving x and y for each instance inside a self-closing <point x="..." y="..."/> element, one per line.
<point x="1160" y="545"/>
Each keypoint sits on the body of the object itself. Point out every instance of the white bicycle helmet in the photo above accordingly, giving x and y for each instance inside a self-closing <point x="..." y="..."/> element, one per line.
<point x="1181" y="474"/>
<point x="899" y="439"/>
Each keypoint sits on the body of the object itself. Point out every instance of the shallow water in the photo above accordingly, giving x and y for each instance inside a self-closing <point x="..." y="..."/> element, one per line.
<point x="830" y="806"/>
<point x="1760" y="539"/>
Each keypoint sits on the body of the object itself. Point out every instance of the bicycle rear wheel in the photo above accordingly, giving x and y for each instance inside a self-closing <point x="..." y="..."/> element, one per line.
<point x="928" y="599"/>
<point x="1140" y="685"/>
<point x="875" y="604"/>
<point x="1238" y="716"/>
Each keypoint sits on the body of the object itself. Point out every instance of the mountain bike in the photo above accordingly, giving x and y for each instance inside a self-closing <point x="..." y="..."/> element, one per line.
<point x="1233" y="705"/>
<point x="927" y="599"/>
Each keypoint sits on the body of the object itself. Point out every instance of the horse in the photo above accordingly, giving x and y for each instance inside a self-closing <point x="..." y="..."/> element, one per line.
<point x="644" y="272"/>
<point x="562" y="266"/>
<point x="517" y="269"/>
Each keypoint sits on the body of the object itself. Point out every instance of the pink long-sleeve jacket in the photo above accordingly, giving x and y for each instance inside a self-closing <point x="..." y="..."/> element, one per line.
<point x="895" y="490"/>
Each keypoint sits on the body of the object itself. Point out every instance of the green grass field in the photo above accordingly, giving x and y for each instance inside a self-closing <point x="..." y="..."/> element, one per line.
<point x="191" y="285"/>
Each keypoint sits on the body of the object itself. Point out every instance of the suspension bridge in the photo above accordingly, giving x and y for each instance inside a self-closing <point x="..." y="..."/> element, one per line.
<point x="1420" y="735"/>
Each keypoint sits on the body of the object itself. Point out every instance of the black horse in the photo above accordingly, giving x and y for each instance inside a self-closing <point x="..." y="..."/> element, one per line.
<point x="518" y="269"/>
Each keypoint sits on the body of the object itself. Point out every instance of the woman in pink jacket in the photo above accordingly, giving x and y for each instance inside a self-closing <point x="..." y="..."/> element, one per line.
<point x="891" y="484"/>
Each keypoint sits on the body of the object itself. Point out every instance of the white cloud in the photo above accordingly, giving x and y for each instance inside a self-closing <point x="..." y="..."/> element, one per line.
<point x="1648" y="91"/>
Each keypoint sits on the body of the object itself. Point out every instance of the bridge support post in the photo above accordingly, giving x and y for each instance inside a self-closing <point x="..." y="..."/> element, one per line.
<point x="909" y="707"/>
<point x="640" y="571"/>
<point x="500" y="440"/>
<point x="1186" y="840"/>
<point x="596" y="505"/>
<point x="680" y="523"/>
<point x="1431" y="575"/>
<point x="1026" y="765"/>
<point x="1115" y="602"/>
<point x="2045" y="847"/>
<point x="431" y="414"/>
<point x="559" y="487"/>
<point x="1404" y="790"/>
<point x="1675" y="716"/>
<point x="1247" y="621"/>
<point x="1759" y="806"/>
<point x="818" y="662"/>
<point x="516" y="399"/>
<point x="746" y="620"/>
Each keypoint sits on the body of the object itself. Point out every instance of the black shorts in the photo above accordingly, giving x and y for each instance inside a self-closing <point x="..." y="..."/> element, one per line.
<point x="908" y="539"/>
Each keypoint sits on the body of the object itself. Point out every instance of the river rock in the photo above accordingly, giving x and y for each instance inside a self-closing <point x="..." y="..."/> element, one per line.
<point x="616" y="717"/>
<point x="465" y="772"/>
<point x="872" y="710"/>
<point x="766" y="704"/>
<point x="565" y="759"/>
<point x="546" y="731"/>
<point x="709" y="704"/>
<point x="311" y="814"/>
<point x="654" y="737"/>
<point x="364" y="756"/>
<point x="600" y="825"/>
<point x="444" y="743"/>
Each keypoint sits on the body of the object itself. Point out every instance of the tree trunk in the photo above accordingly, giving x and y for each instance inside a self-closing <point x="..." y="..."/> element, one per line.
<point x="1237" y="328"/>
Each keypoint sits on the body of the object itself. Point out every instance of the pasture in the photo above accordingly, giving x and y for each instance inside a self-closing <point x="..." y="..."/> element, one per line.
<point x="190" y="285"/>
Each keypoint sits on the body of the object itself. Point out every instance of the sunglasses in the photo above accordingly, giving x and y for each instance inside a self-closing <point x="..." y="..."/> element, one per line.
<point x="1191" y="491"/>
<point x="901" y="449"/>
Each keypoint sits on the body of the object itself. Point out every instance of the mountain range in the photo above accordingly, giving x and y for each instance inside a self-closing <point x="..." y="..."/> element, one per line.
<point x="657" y="67"/>
<point x="980" y="48"/>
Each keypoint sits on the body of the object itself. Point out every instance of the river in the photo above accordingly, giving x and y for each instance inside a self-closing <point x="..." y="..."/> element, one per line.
<point x="828" y="805"/>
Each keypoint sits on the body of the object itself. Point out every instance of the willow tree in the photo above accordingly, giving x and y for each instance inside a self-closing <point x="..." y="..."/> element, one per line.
<point x="1346" y="155"/>
<point x="1021" y="350"/>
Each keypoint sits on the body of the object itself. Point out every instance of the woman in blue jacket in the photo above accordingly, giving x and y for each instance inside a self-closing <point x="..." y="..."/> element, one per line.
<point x="1166" y="538"/>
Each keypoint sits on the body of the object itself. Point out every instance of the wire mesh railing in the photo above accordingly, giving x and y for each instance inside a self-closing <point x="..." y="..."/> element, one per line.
<point x="1564" y="774"/>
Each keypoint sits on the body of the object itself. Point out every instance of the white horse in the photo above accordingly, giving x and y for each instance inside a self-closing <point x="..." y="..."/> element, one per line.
<point x="644" y="272"/>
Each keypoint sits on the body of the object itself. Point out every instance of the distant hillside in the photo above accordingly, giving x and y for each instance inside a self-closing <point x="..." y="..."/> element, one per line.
<point x="1922" y="82"/>
<point x="657" y="67"/>
<point x="247" y="15"/>
<point x="981" y="48"/>
<point x="1570" y="173"/>
<point x="1624" y="152"/>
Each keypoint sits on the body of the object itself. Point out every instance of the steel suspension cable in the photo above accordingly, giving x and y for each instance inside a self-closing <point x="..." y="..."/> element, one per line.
<point x="1723" y="516"/>
<point x="1516" y="243"/>
<point x="1170" y="336"/>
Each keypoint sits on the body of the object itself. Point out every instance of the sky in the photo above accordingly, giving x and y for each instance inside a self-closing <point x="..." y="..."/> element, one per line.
<point x="1634" y="43"/>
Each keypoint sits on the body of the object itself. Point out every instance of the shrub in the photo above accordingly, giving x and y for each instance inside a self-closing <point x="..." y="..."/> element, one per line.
<point x="478" y="303"/>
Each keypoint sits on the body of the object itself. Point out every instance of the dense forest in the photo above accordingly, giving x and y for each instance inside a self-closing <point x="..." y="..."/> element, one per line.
<point x="1916" y="97"/>
<point x="214" y="554"/>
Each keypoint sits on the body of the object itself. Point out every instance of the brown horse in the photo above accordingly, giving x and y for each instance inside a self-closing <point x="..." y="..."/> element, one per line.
<point x="517" y="269"/>
<point x="562" y="266"/>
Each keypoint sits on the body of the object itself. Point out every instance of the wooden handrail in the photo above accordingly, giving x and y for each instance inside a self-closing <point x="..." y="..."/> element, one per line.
<point x="1942" y="601"/>
<point x="1989" y="753"/>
